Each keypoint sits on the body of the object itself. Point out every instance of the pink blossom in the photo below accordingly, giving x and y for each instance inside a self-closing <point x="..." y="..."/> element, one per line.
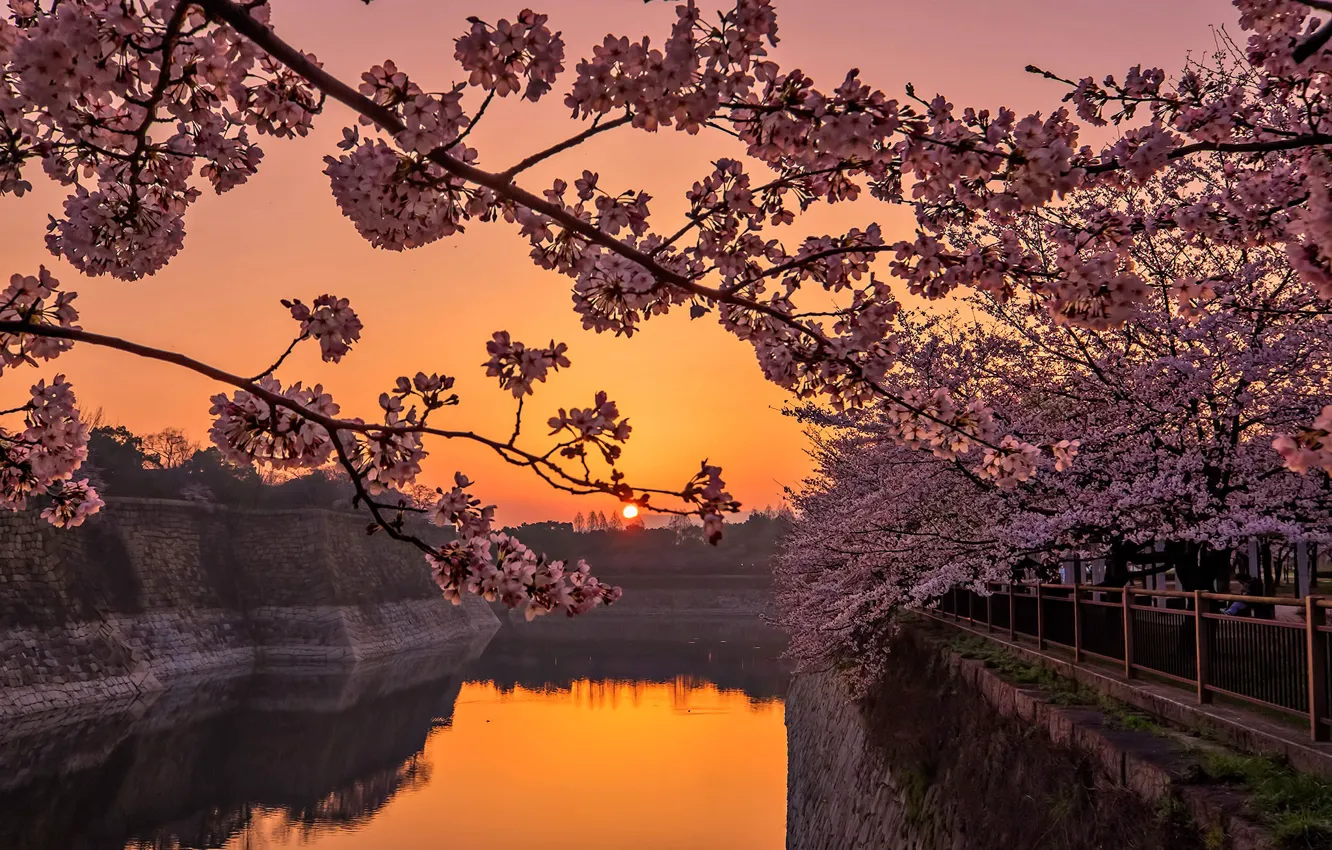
<point x="519" y="367"/>
<point x="249" y="430"/>
<point x="331" y="321"/>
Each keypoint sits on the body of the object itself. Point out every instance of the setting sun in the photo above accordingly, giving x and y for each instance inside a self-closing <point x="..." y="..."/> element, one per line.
<point x="630" y="511"/>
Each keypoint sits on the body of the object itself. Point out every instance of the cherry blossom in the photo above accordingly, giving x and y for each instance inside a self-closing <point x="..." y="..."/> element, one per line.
<point x="1311" y="448"/>
<point x="71" y="504"/>
<point x="136" y="107"/>
<point x="332" y="321"/>
<point x="498" y="58"/>
<point x="519" y="367"/>
<point x="41" y="459"/>
<point x="248" y="428"/>
<point x="35" y="301"/>
<point x="1173" y="429"/>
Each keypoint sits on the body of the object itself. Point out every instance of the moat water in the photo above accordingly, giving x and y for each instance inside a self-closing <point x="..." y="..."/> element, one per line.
<point x="537" y="742"/>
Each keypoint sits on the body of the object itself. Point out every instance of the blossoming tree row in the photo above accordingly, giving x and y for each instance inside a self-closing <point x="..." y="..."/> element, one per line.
<point x="138" y="106"/>
<point x="1173" y="416"/>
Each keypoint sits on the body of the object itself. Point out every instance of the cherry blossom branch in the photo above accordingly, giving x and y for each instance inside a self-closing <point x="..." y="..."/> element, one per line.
<point x="573" y="141"/>
<point x="393" y="530"/>
<point x="265" y="38"/>
<point x="480" y="113"/>
<point x="698" y="219"/>
<point x="290" y="348"/>
<point x="549" y="471"/>
<point x="1316" y="40"/>
<point x="517" y="423"/>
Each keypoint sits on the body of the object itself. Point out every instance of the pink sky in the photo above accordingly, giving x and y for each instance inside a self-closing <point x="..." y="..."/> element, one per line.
<point x="690" y="390"/>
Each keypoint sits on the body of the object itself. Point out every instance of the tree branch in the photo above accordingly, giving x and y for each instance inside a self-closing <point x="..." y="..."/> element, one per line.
<point x="549" y="471"/>
<point x="265" y="38"/>
<point x="571" y="142"/>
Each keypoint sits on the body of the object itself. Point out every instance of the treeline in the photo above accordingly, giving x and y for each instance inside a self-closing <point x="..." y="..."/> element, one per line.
<point x="747" y="548"/>
<point x="167" y="465"/>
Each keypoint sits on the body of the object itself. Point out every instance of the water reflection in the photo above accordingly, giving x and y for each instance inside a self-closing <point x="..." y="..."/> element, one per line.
<point x="536" y="743"/>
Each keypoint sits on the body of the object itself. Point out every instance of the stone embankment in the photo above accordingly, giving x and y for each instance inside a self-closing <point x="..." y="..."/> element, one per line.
<point x="151" y="591"/>
<point x="948" y="755"/>
<point x="207" y="761"/>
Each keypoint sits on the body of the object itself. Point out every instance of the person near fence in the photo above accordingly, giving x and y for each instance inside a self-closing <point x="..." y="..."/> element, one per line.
<point x="1251" y="586"/>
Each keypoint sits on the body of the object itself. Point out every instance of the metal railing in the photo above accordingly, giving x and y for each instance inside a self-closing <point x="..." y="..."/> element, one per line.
<point x="1181" y="636"/>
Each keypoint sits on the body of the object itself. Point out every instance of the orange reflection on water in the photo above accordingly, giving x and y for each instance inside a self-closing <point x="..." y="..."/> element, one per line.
<point x="596" y="766"/>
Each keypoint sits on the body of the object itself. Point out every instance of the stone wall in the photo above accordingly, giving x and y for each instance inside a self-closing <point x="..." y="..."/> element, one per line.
<point x="930" y="763"/>
<point x="320" y="748"/>
<point x="153" y="590"/>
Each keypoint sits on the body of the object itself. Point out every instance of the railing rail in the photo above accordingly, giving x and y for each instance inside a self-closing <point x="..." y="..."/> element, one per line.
<point x="1182" y="636"/>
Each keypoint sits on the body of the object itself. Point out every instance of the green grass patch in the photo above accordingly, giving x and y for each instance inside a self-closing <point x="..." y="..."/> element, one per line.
<point x="1297" y="806"/>
<point x="1060" y="690"/>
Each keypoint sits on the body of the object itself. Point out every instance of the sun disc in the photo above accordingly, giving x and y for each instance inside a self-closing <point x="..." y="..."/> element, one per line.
<point x="630" y="511"/>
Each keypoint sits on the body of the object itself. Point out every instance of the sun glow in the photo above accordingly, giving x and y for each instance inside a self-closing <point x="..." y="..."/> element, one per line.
<point x="630" y="511"/>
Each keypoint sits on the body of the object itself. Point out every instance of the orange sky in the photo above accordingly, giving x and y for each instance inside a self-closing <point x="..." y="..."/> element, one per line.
<point x="690" y="390"/>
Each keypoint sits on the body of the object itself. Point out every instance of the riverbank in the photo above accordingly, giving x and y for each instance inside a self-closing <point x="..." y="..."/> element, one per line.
<point x="955" y="752"/>
<point x="201" y="761"/>
<point x="150" y="591"/>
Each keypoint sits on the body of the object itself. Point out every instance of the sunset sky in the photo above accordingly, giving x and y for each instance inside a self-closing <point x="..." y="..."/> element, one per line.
<point x="690" y="390"/>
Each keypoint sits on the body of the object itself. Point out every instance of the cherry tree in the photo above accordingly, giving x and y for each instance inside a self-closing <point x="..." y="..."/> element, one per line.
<point x="1163" y="431"/>
<point x="138" y="106"/>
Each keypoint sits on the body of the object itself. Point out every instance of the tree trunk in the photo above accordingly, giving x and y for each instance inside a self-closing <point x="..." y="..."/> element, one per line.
<point x="1265" y="556"/>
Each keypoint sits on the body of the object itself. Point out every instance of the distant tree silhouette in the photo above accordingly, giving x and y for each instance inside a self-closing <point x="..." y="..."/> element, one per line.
<point x="170" y="446"/>
<point x="747" y="548"/>
<point x="118" y="458"/>
<point x="159" y="467"/>
<point x="579" y="524"/>
<point x="682" y="529"/>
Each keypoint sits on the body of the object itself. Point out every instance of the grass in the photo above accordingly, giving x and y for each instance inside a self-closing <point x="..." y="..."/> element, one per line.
<point x="1296" y="806"/>
<point x="1060" y="690"/>
<point x="915" y="790"/>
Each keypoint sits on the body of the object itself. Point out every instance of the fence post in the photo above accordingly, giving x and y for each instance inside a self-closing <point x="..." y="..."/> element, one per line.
<point x="971" y="607"/>
<point x="1126" y="598"/>
<point x="1012" y="620"/>
<point x="1317" y="655"/>
<point x="1040" y="616"/>
<point x="1077" y="622"/>
<point x="1204" y="655"/>
<point x="989" y="608"/>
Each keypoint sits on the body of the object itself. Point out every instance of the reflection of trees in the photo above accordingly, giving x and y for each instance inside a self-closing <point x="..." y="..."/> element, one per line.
<point x="258" y="763"/>
<point x="208" y="829"/>
<point x="204" y="781"/>
<point x="256" y="825"/>
<point x="357" y="803"/>
<point x="612" y="693"/>
<point x="512" y="662"/>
